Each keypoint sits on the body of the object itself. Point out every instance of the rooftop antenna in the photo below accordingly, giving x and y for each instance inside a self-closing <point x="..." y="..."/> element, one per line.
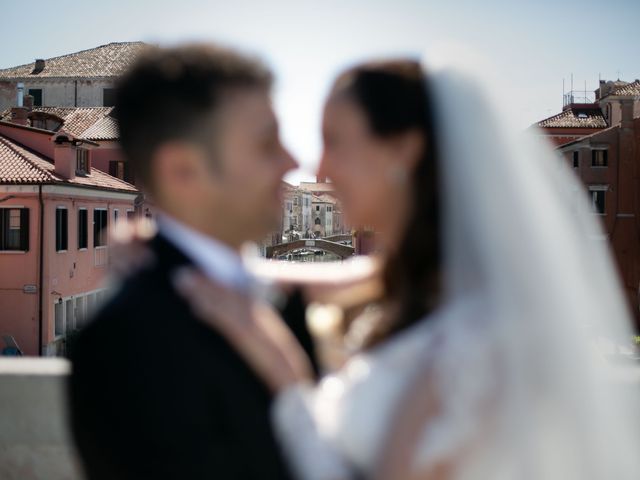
<point x="599" y="85"/>
<point x="572" y="83"/>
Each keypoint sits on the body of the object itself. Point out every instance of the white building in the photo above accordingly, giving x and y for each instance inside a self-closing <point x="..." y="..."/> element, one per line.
<point x="81" y="79"/>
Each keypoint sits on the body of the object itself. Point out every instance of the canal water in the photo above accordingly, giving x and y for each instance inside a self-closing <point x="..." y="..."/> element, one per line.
<point x="306" y="255"/>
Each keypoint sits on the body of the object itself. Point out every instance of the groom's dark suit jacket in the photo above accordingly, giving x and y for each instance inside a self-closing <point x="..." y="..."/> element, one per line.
<point x="156" y="394"/>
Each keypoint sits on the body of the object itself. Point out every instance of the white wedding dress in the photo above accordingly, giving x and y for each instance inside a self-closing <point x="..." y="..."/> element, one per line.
<point x="337" y="428"/>
<point x="522" y="392"/>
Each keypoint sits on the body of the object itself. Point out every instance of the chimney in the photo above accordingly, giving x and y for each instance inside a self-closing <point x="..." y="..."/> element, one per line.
<point x="28" y="102"/>
<point x="20" y="97"/>
<point x="626" y="115"/>
<point x="64" y="155"/>
<point x="38" y="67"/>
<point x="20" y="115"/>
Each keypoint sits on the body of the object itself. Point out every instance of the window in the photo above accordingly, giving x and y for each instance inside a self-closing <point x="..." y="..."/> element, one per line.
<point x="599" y="158"/>
<point x="82" y="161"/>
<point x="130" y="215"/>
<point x="59" y="319"/>
<point x="91" y="305"/>
<point x="116" y="169"/>
<point x="73" y="312"/>
<point x="328" y="209"/>
<point x="576" y="159"/>
<point x="36" y="93"/>
<point x="108" y="97"/>
<point x="83" y="230"/>
<point x="317" y="222"/>
<point x="14" y="229"/>
<point x="317" y="208"/>
<point x="99" y="227"/>
<point x="115" y="216"/>
<point x="70" y="318"/>
<point x="598" y="199"/>
<point x="295" y="201"/>
<point x="79" y="311"/>
<point x="62" y="225"/>
<point x="121" y="170"/>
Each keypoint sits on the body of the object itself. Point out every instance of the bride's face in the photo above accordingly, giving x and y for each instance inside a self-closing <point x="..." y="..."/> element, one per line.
<point x="369" y="173"/>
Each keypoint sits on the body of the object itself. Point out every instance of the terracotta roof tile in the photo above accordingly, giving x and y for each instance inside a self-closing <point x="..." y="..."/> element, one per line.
<point x="90" y="123"/>
<point x="576" y="118"/>
<point x="109" y="60"/>
<point x="628" y="89"/>
<point x="104" y="129"/>
<point x="18" y="165"/>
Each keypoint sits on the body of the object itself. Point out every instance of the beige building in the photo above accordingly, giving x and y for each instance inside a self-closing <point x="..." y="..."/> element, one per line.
<point x="81" y="79"/>
<point x="324" y="199"/>
<point x="296" y="214"/>
<point x="322" y="208"/>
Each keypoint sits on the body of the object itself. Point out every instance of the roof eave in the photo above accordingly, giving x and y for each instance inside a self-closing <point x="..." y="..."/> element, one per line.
<point x="59" y="78"/>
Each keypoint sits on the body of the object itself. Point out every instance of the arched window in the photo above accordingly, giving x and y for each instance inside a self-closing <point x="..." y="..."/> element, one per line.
<point x="317" y="221"/>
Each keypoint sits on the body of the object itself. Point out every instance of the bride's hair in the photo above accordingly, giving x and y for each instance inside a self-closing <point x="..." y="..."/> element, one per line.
<point x="394" y="98"/>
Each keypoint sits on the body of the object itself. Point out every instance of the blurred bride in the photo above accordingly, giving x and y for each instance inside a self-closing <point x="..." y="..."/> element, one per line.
<point x="480" y="359"/>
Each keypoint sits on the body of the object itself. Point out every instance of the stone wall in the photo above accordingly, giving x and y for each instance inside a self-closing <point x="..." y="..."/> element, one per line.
<point x="34" y="440"/>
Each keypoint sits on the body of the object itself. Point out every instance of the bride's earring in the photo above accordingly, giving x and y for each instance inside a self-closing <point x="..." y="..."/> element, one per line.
<point x="398" y="175"/>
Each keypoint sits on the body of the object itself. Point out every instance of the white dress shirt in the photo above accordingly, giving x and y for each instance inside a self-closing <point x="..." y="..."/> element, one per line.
<point x="216" y="260"/>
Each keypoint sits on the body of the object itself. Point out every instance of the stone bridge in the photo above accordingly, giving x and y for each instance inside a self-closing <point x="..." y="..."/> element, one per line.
<point x="343" y="237"/>
<point x="343" y="251"/>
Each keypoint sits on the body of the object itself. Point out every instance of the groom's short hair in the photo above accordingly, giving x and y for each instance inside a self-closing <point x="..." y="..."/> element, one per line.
<point x="171" y="93"/>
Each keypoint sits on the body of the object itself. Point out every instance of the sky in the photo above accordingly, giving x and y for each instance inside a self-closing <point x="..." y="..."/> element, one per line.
<point x="531" y="45"/>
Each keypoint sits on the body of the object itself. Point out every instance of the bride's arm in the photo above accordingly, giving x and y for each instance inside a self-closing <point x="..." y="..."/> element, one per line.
<point x="297" y="422"/>
<point x="420" y="405"/>
<point x="258" y="334"/>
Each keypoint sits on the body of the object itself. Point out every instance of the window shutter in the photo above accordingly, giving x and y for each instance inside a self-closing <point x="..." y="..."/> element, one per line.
<point x="128" y="173"/>
<point x="113" y="168"/>
<point x="24" y="229"/>
<point x="4" y="228"/>
<point x="65" y="229"/>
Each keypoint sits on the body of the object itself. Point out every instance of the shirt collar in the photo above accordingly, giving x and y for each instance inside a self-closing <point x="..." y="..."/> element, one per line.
<point x="218" y="261"/>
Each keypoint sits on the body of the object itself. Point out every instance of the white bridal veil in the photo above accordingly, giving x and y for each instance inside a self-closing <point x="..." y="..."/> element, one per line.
<point x="518" y="231"/>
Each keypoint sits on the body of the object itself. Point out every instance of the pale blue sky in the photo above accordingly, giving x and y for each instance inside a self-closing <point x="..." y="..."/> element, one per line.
<point x="532" y="44"/>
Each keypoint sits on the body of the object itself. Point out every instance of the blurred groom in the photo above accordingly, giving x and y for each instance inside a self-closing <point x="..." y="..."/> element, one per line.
<point x="154" y="393"/>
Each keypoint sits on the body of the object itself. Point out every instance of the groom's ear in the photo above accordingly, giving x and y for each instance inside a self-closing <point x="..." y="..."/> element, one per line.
<point x="410" y="147"/>
<point x="177" y="167"/>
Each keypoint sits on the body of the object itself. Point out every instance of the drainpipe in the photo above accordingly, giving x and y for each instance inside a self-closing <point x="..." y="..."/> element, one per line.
<point x="41" y="271"/>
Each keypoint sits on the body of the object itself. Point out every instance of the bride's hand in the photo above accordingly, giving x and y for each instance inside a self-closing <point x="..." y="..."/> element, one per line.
<point x="253" y="328"/>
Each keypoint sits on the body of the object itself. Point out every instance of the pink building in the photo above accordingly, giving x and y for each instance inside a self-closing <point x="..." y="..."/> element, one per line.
<point x="55" y="208"/>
